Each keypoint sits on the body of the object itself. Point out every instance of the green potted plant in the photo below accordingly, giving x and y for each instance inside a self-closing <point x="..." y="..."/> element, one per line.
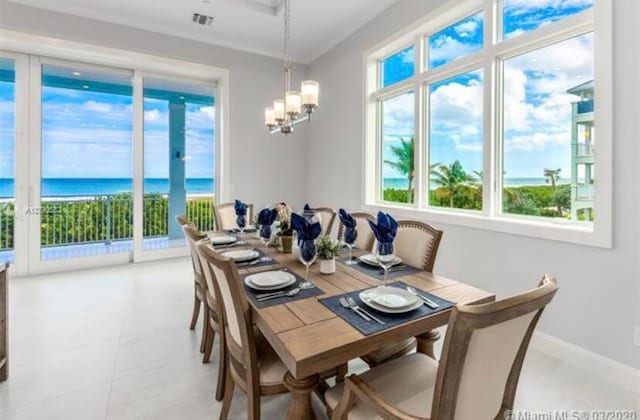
<point x="328" y="250"/>
<point x="285" y="232"/>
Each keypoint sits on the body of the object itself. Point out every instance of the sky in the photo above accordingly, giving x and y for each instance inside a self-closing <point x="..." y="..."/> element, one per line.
<point x="537" y="120"/>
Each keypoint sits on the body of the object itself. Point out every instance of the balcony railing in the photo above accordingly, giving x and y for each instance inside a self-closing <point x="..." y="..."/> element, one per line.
<point x="102" y="219"/>
<point x="584" y="149"/>
<point x="583" y="192"/>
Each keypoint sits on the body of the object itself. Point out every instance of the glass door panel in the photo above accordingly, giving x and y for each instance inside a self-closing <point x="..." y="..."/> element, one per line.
<point x="86" y="202"/>
<point x="179" y="144"/>
<point x="7" y="159"/>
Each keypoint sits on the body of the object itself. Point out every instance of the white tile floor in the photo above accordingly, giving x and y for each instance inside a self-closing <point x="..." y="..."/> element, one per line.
<point x="114" y="343"/>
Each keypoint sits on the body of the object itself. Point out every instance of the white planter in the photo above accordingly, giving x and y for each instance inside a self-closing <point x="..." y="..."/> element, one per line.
<point x="328" y="266"/>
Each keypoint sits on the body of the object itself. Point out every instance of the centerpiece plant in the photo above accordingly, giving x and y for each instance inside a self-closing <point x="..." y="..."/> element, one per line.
<point x="285" y="231"/>
<point x="328" y="250"/>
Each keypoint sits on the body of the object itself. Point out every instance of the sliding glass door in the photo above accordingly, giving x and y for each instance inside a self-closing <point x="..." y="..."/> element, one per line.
<point x="7" y="159"/>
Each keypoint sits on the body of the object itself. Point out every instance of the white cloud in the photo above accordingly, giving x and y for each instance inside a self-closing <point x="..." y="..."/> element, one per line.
<point x="102" y="107"/>
<point x="153" y="115"/>
<point x="467" y="28"/>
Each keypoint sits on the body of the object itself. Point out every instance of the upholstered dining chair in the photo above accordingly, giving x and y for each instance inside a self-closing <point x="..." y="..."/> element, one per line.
<point x="365" y="238"/>
<point x="199" y="281"/>
<point x="476" y="378"/>
<point x="252" y="364"/>
<point x="327" y="218"/>
<point x="225" y="216"/>
<point x="417" y="244"/>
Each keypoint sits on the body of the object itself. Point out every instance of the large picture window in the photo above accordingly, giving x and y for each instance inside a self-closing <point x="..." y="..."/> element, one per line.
<point x="493" y="124"/>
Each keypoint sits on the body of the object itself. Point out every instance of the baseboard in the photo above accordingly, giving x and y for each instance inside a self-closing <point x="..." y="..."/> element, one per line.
<point x="607" y="369"/>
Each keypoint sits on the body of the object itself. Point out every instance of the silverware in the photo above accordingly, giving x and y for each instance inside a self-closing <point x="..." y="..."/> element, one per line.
<point x="345" y="304"/>
<point x="254" y="262"/>
<point x="399" y="267"/>
<point x="238" y="243"/>
<point x="290" y="293"/>
<point x="426" y="300"/>
<point x="353" y="304"/>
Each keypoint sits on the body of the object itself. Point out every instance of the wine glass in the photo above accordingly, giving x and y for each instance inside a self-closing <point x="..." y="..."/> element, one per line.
<point x="385" y="257"/>
<point x="350" y="235"/>
<point x="308" y="254"/>
<point x="266" y="234"/>
<point x="241" y="221"/>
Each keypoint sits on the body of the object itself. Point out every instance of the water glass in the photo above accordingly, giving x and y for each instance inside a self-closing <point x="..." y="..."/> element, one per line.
<point x="308" y="254"/>
<point x="350" y="236"/>
<point x="385" y="257"/>
<point x="266" y="234"/>
<point x="241" y="221"/>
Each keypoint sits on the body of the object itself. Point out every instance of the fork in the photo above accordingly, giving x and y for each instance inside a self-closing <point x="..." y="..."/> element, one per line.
<point x="345" y="304"/>
<point x="426" y="300"/>
<point x="254" y="262"/>
<point x="354" y="305"/>
<point x="290" y="293"/>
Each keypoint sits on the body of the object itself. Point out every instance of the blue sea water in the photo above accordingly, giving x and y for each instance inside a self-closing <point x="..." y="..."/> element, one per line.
<point x="68" y="187"/>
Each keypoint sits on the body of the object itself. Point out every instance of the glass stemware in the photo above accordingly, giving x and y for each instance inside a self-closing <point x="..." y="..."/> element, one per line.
<point x="266" y="234"/>
<point x="350" y="235"/>
<point x="241" y="221"/>
<point x="308" y="254"/>
<point x="385" y="257"/>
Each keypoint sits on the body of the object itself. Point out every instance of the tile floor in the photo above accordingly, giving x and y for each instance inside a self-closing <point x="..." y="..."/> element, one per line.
<point x="114" y="343"/>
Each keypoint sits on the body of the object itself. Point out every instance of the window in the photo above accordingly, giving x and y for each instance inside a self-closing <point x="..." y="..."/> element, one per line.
<point x="456" y="41"/>
<point x="455" y="146"/>
<point x="7" y="167"/>
<point x="398" y="148"/>
<point x="398" y="67"/>
<point x="505" y="134"/>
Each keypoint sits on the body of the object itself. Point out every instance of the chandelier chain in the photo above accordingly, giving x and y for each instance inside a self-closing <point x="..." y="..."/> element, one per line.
<point x="287" y="29"/>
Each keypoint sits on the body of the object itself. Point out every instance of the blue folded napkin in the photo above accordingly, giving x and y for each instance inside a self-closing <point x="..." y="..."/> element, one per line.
<point x="386" y="228"/>
<point x="349" y="223"/>
<point x="266" y="217"/>
<point x="307" y="230"/>
<point x="308" y="212"/>
<point x="240" y="208"/>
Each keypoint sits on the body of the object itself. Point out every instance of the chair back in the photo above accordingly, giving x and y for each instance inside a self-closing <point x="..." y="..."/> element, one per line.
<point x="182" y="220"/>
<point x="483" y="354"/>
<point x="417" y="244"/>
<point x="365" y="238"/>
<point x="236" y="318"/>
<point x="193" y="235"/>
<point x="327" y="218"/>
<point x="225" y="216"/>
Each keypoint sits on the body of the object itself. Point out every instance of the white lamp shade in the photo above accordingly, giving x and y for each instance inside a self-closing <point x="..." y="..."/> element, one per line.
<point x="269" y="116"/>
<point x="278" y="107"/>
<point x="293" y="102"/>
<point x="310" y="90"/>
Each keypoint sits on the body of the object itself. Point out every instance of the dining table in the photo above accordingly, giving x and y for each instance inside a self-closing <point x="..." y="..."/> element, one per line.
<point x="310" y="338"/>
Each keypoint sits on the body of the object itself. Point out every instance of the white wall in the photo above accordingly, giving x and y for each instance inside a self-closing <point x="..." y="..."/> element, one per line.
<point x="599" y="293"/>
<point x="264" y="168"/>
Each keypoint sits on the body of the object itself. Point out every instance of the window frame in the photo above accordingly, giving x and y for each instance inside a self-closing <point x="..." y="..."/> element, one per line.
<point x="489" y="59"/>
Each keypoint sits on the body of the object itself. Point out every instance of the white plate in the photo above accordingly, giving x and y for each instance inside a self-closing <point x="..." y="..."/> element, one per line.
<point x="270" y="280"/>
<point x="222" y="240"/>
<point x="371" y="259"/>
<point x="242" y="255"/>
<point x="391" y="300"/>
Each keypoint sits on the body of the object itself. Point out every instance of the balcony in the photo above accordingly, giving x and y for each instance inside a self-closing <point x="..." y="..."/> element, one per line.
<point x="584" y="149"/>
<point x="583" y="192"/>
<point x="96" y="225"/>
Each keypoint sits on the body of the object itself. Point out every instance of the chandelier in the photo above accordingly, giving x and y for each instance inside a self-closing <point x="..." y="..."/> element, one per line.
<point x="296" y="107"/>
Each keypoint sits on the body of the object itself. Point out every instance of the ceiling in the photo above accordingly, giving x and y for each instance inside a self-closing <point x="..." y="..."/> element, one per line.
<point x="250" y="25"/>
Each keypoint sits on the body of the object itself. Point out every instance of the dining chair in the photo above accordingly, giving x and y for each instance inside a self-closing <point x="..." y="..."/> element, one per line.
<point x="476" y="378"/>
<point x="225" y="216"/>
<point x="365" y="238"/>
<point x="327" y="218"/>
<point x="252" y="364"/>
<point x="417" y="244"/>
<point x="193" y="235"/>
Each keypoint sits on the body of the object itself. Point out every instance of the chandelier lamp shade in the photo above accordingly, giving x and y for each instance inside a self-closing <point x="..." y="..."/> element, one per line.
<point x="296" y="106"/>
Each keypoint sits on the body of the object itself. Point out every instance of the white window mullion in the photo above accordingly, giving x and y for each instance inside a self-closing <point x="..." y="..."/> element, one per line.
<point x="491" y="161"/>
<point x="418" y="133"/>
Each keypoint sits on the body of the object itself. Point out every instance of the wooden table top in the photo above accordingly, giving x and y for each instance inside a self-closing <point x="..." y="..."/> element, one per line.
<point x="310" y="338"/>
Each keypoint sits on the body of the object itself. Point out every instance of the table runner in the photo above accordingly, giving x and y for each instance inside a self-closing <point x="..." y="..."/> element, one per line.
<point x="304" y="293"/>
<point x="390" y="320"/>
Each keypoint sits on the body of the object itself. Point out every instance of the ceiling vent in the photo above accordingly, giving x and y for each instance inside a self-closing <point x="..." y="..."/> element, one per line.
<point x="202" y="20"/>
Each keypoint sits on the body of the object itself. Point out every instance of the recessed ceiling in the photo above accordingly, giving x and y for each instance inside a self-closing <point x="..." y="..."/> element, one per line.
<point x="250" y="25"/>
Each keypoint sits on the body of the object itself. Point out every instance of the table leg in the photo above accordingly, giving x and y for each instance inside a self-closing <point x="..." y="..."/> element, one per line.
<point x="426" y="343"/>
<point x="301" y="389"/>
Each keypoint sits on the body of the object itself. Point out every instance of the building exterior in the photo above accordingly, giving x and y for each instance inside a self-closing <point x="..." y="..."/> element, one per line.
<point x="582" y="152"/>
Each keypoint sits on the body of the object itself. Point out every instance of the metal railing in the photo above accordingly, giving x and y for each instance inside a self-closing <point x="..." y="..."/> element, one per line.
<point x="102" y="219"/>
<point x="583" y="192"/>
<point x="584" y="149"/>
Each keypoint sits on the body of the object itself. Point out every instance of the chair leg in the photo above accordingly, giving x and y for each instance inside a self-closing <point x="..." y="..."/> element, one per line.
<point x="222" y="368"/>
<point x="196" y="312"/>
<point x="205" y="329"/>
<point x="208" y="347"/>
<point x="341" y="372"/>
<point x="253" y="406"/>
<point x="228" y="396"/>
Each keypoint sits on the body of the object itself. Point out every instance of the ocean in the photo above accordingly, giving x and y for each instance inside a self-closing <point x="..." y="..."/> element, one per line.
<point x="69" y="187"/>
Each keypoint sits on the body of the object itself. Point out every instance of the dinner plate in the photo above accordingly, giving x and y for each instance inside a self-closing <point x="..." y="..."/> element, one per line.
<point x="270" y="280"/>
<point x="242" y="254"/>
<point x="222" y="240"/>
<point x="371" y="259"/>
<point x="391" y="300"/>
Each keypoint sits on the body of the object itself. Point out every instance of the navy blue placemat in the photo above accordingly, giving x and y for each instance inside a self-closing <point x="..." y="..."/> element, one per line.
<point x="400" y="270"/>
<point x="304" y="294"/>
<point x="390" y="320"/>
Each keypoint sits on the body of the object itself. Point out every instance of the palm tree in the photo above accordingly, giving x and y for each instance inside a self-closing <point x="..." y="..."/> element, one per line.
<point x="551" y="177"/>
<point x="404" y="163"/>
<point x="451" y="178"/>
